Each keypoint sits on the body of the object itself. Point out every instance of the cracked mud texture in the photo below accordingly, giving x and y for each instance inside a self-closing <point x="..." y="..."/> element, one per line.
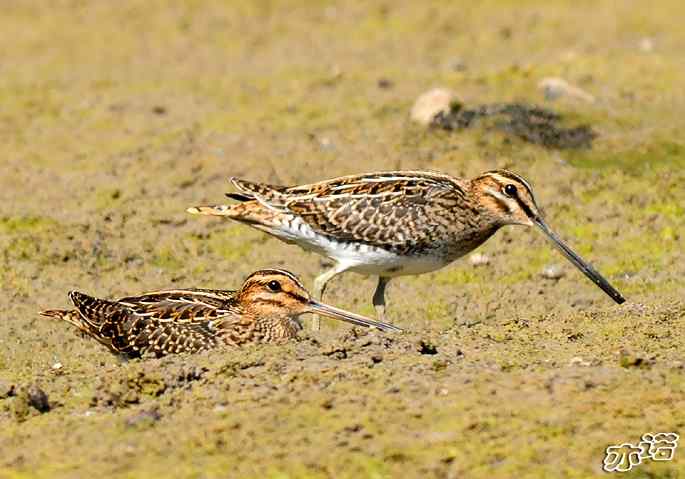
<point x="115" y="118"/>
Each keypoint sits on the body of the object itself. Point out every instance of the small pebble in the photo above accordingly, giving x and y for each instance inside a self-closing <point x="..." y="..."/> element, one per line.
<point x="553" y="271"/>
<point x="432" y="102"/>
<point x="646" y="45"/>
<point x="384" y="83"/>
<point x="554" y="87"/>
<point x="578" y="361"/>
<point x="325" y="143"/>
<point x="57" y="366"/>
<point x="479" y="259"/>
<point x="457" y="65"/>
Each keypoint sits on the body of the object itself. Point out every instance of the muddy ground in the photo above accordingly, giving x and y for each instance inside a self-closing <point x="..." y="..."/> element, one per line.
<point x="114" y="118"/>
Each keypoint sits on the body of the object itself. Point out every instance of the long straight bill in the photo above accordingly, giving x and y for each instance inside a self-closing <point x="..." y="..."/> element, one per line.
<point x="581" y="264"/>
<point x="341" y="314"/>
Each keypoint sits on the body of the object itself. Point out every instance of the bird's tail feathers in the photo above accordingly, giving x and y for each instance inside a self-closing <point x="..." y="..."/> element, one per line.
<point x="211" y="210"/>
<point x="252" y="189"/>
<point x="71" y="316"/>
<point x="272" y="197"/>
<point x="240" y="196"/>
<point x="55" y="313"/>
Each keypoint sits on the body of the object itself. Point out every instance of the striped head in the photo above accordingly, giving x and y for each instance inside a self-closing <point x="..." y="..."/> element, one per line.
<point x="507" y="197"/>
<point x="273" y="292"/>
<point x="279" y="294"/>
<point x="508" y="200"/>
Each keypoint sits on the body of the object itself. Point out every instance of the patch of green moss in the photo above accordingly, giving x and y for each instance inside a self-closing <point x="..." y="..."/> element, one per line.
<point x="532" y="261"/>
<point x="23" y="248"/>
<point x="25" y="224"/>
<point x="437" y="315"/>
<point x="456" y="276"/>
<point x="166" y="257"/>
<point x="635" y="254"/>
<point x="659" y="154"/>
<point x="582" y="231"/>
<point x="30" y="239"/>
<point x="106" y="198"/>
<point x="232" y="243"/>
<point x="668" y="209"/>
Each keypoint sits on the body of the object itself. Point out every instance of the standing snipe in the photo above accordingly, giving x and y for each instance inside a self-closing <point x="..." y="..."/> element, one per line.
<point x="264" y="310"/>
<point x="393" y="223"/>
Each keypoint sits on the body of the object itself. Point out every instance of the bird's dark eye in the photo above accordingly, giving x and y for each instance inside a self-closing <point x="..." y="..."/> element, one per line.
<point x="510" y="190"/>
<point x="274" y="286"/>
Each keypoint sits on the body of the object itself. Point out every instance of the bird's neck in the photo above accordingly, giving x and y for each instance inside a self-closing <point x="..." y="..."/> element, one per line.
<point x="471" y="238"/>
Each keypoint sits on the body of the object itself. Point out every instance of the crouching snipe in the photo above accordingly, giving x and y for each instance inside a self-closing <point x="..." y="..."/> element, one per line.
<point x="264" y="310"/>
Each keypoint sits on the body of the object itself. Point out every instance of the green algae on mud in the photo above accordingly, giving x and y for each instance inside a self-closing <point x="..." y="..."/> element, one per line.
<point x="116" y="118"/>
<point x="658" y="155"/>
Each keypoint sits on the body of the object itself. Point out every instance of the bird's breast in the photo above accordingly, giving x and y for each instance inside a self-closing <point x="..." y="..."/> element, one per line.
<point x="466" y="240"/>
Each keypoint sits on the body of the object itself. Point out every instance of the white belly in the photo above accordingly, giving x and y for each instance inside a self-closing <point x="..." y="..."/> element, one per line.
<point x="357" y="257"/>
<point x="389" y="265"/>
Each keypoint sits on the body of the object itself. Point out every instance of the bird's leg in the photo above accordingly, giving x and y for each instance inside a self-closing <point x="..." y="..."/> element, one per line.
<point x="319" y="289"/>
<point x="379" y="298"/>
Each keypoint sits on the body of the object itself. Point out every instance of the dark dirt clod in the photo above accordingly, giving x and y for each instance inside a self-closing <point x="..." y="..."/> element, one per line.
<point x="129" y="389"/>
<point x="6" y="390"/>
<point x="28" y="400"/>
<point x="426" y="347"/>
<point x="439" y="365"/>
<point x="528" y="122"/>
<point x="335" y="351"/>
<point x="384" y="83"/>
<point x="631" y="360"/>
<point x="186" y="375"/>
<point x="37" y="398"/>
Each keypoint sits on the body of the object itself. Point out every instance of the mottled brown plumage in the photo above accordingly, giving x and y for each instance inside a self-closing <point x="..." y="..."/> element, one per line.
<point x="379" y="209"/>
<point x="264" y="310"/>
<point x="392" y="223"/>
